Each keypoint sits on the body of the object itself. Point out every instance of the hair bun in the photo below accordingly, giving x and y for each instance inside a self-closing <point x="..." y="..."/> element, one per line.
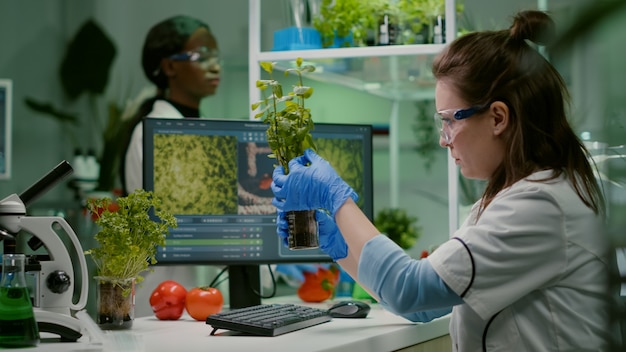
<point x="535" y="26"/>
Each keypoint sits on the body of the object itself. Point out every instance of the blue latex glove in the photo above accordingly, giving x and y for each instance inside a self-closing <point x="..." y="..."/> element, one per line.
<point x="331" y="240"/>
<point x="311" y="184"/>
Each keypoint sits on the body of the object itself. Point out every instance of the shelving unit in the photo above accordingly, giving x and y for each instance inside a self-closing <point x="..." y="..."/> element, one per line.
<point x="399" y="75"/>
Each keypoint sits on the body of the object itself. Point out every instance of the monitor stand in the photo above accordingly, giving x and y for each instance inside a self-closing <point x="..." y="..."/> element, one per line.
<point x="244" y="284"/>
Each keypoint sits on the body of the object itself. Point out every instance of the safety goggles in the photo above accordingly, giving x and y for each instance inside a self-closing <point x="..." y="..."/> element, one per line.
<point x="445" y="119"/>
<point x="200" y="55"/>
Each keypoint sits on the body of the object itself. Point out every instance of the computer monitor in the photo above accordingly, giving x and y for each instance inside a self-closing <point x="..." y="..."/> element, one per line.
<point x="214" y="176"/>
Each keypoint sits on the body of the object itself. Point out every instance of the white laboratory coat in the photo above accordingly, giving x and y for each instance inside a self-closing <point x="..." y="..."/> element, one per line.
<point x="532" y="272"/>
<point x="134" y="154"/>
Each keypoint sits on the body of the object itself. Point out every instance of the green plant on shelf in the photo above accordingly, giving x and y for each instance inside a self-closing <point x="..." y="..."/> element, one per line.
<point x="342" y="18"/>
<point x="399" y="226"/>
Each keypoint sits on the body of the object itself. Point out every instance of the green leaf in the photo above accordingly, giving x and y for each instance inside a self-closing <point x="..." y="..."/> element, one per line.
<point x="308" y="68"/>
<point x="87" y="61"/>
<point x="278" y="91"/>
<point x="300" y="90"/>
<point x="268" y="66"/>
<point x="308" y="93"/>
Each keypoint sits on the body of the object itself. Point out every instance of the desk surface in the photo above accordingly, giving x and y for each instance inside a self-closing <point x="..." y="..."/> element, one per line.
<point x="380" y="331"/>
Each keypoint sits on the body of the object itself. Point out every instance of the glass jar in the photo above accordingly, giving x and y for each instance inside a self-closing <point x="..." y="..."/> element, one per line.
<point x="303" y="230"/>
<point x="18" y="327"/>
<point x="115" y="302"/>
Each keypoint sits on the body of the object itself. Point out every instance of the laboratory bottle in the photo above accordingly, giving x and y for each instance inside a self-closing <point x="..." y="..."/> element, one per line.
<point x="387" y="30"/>
<point x="18" y="327"/>
<point x="79" y="165"/>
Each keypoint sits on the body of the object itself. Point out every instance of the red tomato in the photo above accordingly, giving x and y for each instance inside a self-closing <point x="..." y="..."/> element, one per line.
<point x="112" y="207"/>
<point x="203" y="301"/>
<point x="319" y="286"/>
<point x="168" y="300"/>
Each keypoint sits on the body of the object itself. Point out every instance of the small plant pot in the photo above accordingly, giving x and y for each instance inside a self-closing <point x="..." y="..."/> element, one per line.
<point x="303" y="231"/>
<point x="115" y="303"/>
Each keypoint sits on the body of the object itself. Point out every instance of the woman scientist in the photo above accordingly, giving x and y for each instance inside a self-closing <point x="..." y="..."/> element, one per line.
<point x="180" y="56"/>
<point x="529" y="267"/>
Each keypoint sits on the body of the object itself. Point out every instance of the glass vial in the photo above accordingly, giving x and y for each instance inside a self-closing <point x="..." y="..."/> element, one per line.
<point x="303" y="231"/>
<point x="387" y="30"/>
<point x="18" y="327"/>
<point x="115" y="302"/>
<point x="438" y="30"/>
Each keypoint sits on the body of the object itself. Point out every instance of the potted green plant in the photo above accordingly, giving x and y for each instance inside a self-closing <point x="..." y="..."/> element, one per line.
<point x="398" y="226"/>
<point x="339" y="19"/>
<point x="289" y="135"/>
<point x="127" y="245"/>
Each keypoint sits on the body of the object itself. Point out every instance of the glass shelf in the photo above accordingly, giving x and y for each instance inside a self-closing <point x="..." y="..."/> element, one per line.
<point x="357" y="52"/>
<point x="398" y="72"/>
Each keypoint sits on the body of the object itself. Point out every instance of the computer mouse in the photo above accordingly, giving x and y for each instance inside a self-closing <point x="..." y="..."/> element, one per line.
<point x="349" y="309"/>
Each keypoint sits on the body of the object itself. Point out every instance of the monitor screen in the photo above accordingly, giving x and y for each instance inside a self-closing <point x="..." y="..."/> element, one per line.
<point x="215" y="176"/>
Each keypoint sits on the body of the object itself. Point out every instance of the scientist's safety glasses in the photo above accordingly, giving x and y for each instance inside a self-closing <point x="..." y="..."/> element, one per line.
<point x="445" y="119"/>
<point x="200" y="55"/>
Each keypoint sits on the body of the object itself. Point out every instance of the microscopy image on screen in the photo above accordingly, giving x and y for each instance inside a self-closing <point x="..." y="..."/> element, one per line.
<point x="255" y="179"/>
<point x="196" y="174"/>
<point x="346" y="157"/>
<point x="256" y="167"/>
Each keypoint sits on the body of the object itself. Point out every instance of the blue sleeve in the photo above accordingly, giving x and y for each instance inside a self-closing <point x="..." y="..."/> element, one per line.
<point x="405" y="286"/>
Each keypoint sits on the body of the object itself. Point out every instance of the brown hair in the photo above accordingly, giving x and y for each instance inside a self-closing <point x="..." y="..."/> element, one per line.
<point x="505" y="66"/>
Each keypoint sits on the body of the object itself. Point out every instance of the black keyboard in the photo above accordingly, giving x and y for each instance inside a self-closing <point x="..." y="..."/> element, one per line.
<point x="268" y="319"/>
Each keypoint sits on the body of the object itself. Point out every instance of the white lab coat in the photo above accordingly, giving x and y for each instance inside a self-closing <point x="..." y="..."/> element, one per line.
<point x="533" y="272"/>
<point x="134" y="154"/>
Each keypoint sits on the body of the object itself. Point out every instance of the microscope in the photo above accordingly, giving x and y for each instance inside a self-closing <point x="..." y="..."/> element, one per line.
<point x="54" y="276"/>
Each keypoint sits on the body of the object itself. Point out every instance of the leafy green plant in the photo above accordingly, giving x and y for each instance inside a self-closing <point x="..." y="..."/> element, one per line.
<point x="128" y="237"/>
<point x="289" y="120"/>
<point x="398" y="226"/>
<point x="341" y="18"/>
<point x="426" y="134"/>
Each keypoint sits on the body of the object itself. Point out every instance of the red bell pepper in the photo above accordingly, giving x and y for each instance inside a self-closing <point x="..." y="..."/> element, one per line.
<point x="319" y="286"/>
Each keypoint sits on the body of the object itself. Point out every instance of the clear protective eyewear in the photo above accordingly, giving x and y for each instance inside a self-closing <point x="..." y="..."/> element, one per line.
<point x="444" y="119"/>
<point x="200" y="55"/>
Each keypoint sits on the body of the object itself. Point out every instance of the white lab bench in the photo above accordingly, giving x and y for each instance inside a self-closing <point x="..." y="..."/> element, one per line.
<point x="380" y="331"/>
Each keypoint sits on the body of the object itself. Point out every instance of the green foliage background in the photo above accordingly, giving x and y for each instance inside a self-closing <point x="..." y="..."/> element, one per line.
<point x="399" y="226"/>
<point x="346" y="157"/>
<point x="196" y="174"/>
